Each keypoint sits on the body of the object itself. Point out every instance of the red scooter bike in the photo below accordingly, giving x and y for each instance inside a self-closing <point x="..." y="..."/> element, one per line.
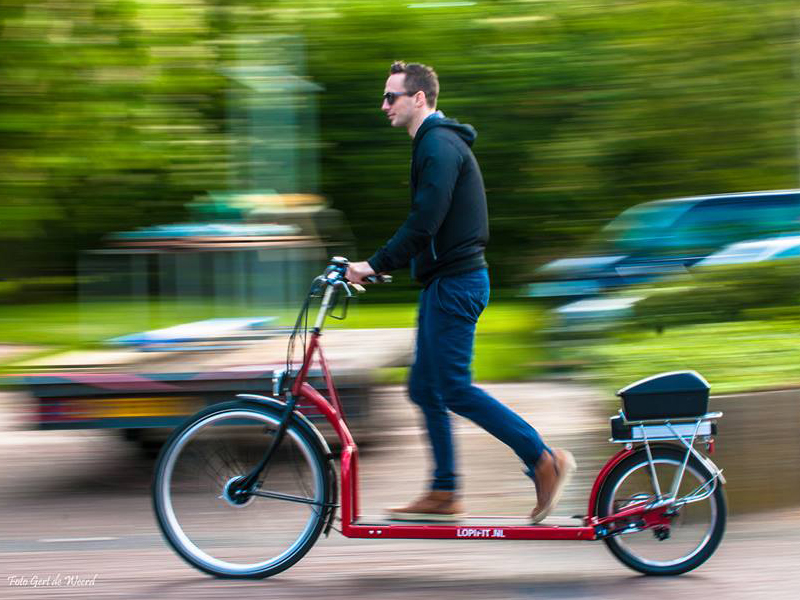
<point x="243" y="489"/>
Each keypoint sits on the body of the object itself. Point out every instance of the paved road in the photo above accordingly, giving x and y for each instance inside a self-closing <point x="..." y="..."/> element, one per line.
<point x="75" y="514"/>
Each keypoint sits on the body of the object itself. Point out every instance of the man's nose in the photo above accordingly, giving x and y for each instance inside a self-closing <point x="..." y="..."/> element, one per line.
<point x="385" y="106"/>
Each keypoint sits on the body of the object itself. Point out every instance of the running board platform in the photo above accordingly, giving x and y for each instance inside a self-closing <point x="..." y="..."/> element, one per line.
<point x="481" y="521"/>
<point x="483" y="527"/>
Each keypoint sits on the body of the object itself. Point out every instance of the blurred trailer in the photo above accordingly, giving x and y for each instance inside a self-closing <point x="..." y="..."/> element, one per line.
<point x="223" y="274"/>
<point x="144" y="394"/>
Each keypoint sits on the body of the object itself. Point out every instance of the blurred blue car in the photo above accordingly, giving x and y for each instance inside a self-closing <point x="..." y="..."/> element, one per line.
<point x="603" y="311"/>
<point x="664" y="237"/>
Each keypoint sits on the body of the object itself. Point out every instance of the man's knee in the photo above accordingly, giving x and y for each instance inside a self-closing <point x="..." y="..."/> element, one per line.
<point x="460" y="397"/>
<point x="420" y="391"/>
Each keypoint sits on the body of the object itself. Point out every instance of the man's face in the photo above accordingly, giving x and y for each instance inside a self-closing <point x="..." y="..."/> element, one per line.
<point x="402" y="111"/>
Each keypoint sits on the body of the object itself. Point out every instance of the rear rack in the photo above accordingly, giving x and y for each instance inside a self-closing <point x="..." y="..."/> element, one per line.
<point x="684" y="430"/>
<point x="668" y="429"/>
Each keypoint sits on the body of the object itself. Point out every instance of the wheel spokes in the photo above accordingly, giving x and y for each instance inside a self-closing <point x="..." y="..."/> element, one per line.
<point x="689" y="527"/>
<point x="224" y="530"/>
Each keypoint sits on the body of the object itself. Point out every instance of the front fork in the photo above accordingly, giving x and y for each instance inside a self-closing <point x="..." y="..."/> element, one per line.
<point x="242" y="488"/>
<point x="239" y="491"/>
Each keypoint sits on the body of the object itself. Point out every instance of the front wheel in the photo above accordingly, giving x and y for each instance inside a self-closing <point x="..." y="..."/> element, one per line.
<point x="225" y="533"/>
<point x="695" y="529"/>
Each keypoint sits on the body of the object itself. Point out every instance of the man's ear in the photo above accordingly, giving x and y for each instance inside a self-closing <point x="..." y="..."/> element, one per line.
<point x="420" y="100"/>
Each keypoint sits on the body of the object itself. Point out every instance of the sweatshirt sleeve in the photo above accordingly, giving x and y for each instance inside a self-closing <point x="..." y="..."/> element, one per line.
<point x="440" y="164"/>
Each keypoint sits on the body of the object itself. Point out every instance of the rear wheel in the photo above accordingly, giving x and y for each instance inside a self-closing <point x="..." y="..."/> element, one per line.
<point x="695" y="529"/>
<point x="243" y="536"/>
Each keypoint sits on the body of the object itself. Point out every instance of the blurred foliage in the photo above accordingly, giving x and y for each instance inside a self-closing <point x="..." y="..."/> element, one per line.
<point x="112" y="112"/>
<point x="723" y="293"/>
<point x="107" y="121"/>
<point x="732" y="356"/>
<point x="735" y="324"/>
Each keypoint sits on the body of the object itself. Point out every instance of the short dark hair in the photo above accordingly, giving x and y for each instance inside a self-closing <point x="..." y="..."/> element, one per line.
<point x="419" y="78"/>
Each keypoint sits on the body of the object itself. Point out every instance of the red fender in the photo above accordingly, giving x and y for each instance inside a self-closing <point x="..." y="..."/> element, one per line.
<point x="601" y="477"/>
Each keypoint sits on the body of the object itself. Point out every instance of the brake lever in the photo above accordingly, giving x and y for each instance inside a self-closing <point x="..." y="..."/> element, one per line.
<point x="345" y="285"/>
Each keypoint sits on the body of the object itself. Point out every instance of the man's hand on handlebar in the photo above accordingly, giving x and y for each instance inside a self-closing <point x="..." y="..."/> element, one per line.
<point x="358" y="272"/>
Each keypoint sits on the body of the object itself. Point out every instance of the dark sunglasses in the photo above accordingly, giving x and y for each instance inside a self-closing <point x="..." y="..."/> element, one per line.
<point x="390" y="97"/>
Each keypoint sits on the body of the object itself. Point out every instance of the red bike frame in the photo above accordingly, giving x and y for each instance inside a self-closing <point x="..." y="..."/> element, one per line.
<point x="354" y="527"/>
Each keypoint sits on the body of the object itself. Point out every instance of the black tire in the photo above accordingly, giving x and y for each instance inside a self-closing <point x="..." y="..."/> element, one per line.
<point x="694" y="533"/>
<point x="212" y="449"/>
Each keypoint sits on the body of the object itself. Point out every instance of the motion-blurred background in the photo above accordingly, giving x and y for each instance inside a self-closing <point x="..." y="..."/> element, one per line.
<point x="194" y="162"/>
<point x="174" y="172"/>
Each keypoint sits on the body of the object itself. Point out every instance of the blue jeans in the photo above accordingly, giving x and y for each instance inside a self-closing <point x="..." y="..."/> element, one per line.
<point x="441" y="379"/>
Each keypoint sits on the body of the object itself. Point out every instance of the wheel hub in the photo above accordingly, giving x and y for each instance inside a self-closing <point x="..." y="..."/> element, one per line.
<point x="661" y="533"/>
<point x="234" y="495"/>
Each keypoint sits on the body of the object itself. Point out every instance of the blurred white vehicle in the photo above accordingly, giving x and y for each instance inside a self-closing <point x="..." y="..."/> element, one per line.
<point x="755" y="251"/>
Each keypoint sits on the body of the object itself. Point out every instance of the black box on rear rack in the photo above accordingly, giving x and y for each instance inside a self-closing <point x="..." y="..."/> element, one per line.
<point x="679" y="394"/>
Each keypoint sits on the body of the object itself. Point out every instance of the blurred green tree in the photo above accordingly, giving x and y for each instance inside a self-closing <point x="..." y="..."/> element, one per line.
<point x="108" y="119"/>
<point x="112" y="111"/>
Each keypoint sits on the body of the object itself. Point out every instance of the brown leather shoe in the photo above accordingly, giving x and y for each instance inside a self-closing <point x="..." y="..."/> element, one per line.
<point x="436" y="505"/>
<point x="553" y="472"/>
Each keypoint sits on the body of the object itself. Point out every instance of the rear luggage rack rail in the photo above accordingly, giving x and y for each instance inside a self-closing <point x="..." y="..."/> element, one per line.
<point x="625" y="431"/>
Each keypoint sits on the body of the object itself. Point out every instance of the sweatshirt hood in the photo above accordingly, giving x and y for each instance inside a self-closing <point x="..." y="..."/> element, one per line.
<point x="465" y="131"/>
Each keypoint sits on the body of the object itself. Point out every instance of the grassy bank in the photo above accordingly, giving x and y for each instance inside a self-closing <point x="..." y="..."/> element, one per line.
<point x="510" y="344"/>
<point x="734" y="357"/>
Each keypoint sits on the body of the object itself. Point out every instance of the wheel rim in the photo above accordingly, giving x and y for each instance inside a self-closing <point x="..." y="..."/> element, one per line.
<point x="690" y="531"/>
<point x="235" y="539"/>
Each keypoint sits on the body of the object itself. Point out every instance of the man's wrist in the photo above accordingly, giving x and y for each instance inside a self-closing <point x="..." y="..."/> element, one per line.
<point x="373" y="264"/>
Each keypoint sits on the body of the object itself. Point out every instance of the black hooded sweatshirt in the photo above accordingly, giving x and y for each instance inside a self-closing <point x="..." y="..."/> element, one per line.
<point x="448" y="226"/>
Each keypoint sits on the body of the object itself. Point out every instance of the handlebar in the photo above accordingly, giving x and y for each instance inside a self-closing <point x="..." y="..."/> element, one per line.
<point x="337" y="269"/>
<point x="328" y="285"/>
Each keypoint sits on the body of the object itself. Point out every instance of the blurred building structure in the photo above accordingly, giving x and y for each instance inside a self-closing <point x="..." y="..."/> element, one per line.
<point x="256" y="246"/>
